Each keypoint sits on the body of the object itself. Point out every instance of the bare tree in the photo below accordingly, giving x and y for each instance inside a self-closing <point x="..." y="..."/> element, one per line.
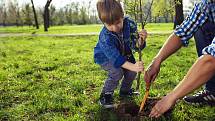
<point x="52" y="10"/>
<point x="83" y="14"/>
<point x="179" y="16"/>
<point x="46" y="15"/>
<point x="88" y="8"/>
<point x="132" y="8"/>
<point x="18" y="17"/>
<point x="4" y="14"/>
<point x="135" y="10"/>
<point x="35" y="15"/>
<point x="1" y="11"/>
<point x="27" y="15"/>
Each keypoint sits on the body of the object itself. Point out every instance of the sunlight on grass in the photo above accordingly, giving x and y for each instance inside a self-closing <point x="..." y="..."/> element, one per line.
<point x="55" y="78"/>
<point x="151" y="27"/>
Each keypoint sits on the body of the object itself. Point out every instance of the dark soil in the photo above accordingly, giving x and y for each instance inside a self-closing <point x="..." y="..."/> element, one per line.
<point x="129" y="111"/>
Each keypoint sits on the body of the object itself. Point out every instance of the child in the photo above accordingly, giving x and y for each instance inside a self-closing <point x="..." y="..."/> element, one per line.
<point x="113" y="51"/>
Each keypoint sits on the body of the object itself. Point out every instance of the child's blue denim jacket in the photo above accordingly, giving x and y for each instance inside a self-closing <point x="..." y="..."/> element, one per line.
<point x="109" y="46"/>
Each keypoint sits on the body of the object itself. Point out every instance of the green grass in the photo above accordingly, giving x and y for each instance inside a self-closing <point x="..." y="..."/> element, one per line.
<point x="55" y="29"/>
<point x="55" y="78"/>
<point x="158" y="27"/>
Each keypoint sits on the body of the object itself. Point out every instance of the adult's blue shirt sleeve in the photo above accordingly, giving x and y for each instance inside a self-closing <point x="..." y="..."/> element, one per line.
<point x="210" y="49"/>
<point x="190" y="25"/>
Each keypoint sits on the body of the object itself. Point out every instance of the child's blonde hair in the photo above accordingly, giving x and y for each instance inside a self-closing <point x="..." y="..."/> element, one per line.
<point x="109" y="11"/>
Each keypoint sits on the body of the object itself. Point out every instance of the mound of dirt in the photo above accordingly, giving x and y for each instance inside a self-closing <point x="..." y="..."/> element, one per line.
<point x="128" y="111"/>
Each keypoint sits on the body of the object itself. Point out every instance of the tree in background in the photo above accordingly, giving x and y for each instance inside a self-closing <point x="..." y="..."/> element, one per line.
<point x="11" y="18"/>
<point x="75" y="13"/>
<point x="179" y="16"/>
<point x="19" y="20"/>
<point x="163" y="9"/>
<point x="52" y="10"/>
<point x="35" y="15"/>
<point x="2" y="9"/>
<point x="131" y="8"/>
<point x="27" y="11"/>
<point x="1" y="12"/>
<point x="83" y="15"/>
<point x="46" y="15"/>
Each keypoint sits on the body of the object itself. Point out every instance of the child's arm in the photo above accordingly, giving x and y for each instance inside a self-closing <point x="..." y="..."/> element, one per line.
<point x="137" y="67"/>
<point x="112" y="53"/>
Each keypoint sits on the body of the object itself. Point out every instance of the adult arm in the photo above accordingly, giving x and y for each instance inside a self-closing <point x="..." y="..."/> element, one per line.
<point x="201" y="71"/>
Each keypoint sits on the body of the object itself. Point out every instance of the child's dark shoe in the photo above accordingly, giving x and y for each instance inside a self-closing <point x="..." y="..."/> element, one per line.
<point x="106" y="100"/>
<point x="129" y="93"/>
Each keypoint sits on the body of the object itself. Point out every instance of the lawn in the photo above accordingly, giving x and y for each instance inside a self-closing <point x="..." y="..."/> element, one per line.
<point x="151" y="27"/>
<point x="55" y="78"/>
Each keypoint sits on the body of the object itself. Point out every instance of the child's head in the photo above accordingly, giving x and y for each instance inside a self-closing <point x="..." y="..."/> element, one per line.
<point x="111" y="14"/>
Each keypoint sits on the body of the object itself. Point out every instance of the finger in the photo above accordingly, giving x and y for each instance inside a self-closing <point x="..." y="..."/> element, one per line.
<point x="150" y="76"/>
<point x="143" y="33"/>
<point x="155" y="110"/>
<point x="141" y="68"/>
<point x="153" y="113"/>
<point x="138" y="64"/>
<point x="143" y="36"/>
<point x="158" y="115"/>
<point x="153" y="78"/>
<point x="141" y="62"/>
<point x="147" y="76"/>
<point x="143" y="30"/>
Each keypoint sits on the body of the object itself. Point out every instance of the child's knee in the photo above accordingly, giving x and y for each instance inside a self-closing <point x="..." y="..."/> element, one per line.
<point x="131" y="74"/>
<point x="117" y="75"/>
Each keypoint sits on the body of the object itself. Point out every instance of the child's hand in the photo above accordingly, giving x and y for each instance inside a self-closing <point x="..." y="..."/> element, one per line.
<point x="143" y="35"/>
<point x="139" y="66"/>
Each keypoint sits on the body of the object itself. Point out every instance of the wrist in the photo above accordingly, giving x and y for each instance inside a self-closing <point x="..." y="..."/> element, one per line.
<point x="129" y="66"/>
<point x="173" y="96"/>
<point x="158" y="59"/>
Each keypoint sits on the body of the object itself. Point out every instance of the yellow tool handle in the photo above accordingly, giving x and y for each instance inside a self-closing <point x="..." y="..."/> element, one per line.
<point x="144" y="100"/>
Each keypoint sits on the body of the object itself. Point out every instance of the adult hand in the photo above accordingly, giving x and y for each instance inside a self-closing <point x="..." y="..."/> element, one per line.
<point x="162" y="106"/>
<point x="152" y="71"/>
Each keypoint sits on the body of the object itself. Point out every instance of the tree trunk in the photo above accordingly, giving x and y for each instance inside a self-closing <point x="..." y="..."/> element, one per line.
<point x="35" y="15"/>
<point x="141" y="14"/>
<point x="135" y="10"/>
<point x="150" y="16"/>
<point x="179" y="16"/>
<point x="4" y="16"/>
<point x="46" y="15"/>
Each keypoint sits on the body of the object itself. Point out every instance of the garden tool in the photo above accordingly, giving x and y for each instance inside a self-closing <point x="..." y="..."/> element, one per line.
<point x="145" y="96"/>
